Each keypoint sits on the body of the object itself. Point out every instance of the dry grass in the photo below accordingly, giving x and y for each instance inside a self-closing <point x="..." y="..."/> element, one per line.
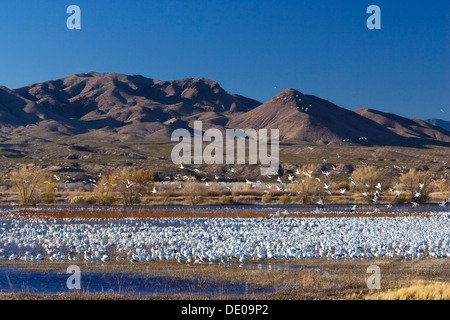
<point x="419" y="290"/>
<point x="319" y="279"/>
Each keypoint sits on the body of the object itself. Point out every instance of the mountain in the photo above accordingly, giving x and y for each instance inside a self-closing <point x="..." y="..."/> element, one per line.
<point x="444" y="124"/>
<point x="132" y="106"/>
<point x="312" y="119"/>
<point x="408" y="128"/>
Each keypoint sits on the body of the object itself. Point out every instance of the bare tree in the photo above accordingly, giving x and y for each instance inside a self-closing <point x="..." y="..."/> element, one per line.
<point x="28" y="182"/>
<point x="132" y="184"/>
<point x="105" y="190"/>
<point x="418" y="184"/>
<point x="368" y="180"/>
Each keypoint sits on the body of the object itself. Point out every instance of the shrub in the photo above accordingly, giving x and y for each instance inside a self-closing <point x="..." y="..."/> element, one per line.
<point x="227" y="200"/>
<point x="398" y="200"/>
<point x="49" y="195"/>
<point x="78" y="200"/>
<point x="91" y="200"/>
<point x="195" y="200"/>
<point x="266" y="198"/>
<point x="285" y="199"/>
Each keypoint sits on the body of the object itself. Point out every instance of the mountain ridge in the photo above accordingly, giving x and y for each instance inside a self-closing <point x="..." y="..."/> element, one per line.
<point x="136" y="106"/>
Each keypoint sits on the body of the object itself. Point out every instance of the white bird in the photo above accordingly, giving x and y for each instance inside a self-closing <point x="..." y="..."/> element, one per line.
<point x="181" y="166"/>
<point x="343" y="191"/>
<point x="414" y="205"/>
<point x="154" y="190"/>
<point x="326" y="186"/>
<point x="13" y="256"/>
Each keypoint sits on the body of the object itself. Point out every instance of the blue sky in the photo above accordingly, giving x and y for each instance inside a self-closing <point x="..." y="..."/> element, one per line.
<point x="253" y="48"/>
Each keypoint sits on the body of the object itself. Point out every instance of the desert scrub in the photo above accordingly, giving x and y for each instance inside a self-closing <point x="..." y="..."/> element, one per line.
<point x="266" y="198"/>
<point x="398" y="200"/>
<point x="226" y="200"/>
<point x="285" y="199"/>
<point x="78" y="200"/>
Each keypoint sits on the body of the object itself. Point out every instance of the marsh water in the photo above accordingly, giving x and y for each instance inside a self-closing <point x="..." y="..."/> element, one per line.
<point x="14" y="280"/>
<point x="31" y="281"/>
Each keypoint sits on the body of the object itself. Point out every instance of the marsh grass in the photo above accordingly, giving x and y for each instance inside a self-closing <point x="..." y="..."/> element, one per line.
<point x="319" y="279"/>
<point x="418" y="290"/>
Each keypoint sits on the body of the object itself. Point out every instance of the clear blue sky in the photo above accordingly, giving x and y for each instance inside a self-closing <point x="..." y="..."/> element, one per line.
<point x="254" y="48"/>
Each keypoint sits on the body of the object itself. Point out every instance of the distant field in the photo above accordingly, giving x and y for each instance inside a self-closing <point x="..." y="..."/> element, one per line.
<point x="106" y="154"/>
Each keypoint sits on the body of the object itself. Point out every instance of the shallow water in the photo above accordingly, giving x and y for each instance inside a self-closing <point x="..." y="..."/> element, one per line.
<point x="38" y="282"/>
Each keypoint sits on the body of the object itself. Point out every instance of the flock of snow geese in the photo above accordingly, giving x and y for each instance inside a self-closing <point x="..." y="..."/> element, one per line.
<point x="223" y="240"/>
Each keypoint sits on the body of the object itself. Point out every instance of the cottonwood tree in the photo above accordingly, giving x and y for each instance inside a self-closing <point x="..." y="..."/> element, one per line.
<point x="28" y="182"/>
<point x="310" y="188"/>
<point x="105" y="190"/>
<point x="131" y="185"/>
<point x="367" y="178"/>
<point x="418" y="185"/>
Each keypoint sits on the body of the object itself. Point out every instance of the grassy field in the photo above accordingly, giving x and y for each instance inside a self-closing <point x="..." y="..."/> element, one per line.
<point x="106" y="154"/>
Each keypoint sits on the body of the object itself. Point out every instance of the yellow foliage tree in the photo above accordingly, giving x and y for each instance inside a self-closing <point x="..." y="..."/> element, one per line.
<point x="28" y="182"/>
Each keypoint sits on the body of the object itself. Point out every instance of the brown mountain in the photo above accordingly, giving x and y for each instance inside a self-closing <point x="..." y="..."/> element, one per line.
<point x="312" y="119"/>
<point x="444" y="124"/>
<point x="124" y="104"/>
<point x="112" y="104"/>
<point x="409" y="128"/>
